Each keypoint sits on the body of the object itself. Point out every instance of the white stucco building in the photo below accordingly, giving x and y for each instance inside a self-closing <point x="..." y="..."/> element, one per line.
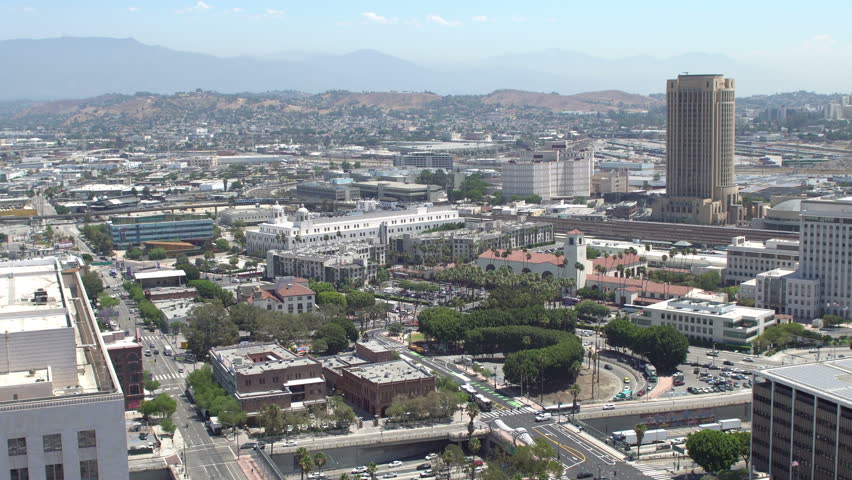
<point x="61" y="404"/>
<point x="550" y="174"/>
<point x="708" y="322"/>
<point x="747" y="259"/>
<point x="281" y="233"/>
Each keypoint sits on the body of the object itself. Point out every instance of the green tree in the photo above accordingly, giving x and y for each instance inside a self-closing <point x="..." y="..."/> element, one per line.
<point x="209" y="326"/>
<point x="93" y="284"/>
<point x="320" y="459"/>
<point x="621" y="333"/>
<point x="150" y="384"/>
<point x="134" y="253"/>
<point x="191" y="270"/>
<point x="168" y="425"/>
<point x="106" y="301"/>
<point x="831" y="320"/>
<point x="639" y="430"/>
<point x="472" y="411"/>
<point x="333" y="298"/>
<point x="157" y="253"/>
<point x="320" y="287"/>
<point x="713" y="451"/>
<point x="372" y="468"/>
<point x="304" y="461"/>
<point x="349" y="327"/>
<point x="246" y="316"/>
<point x="664" y="346"/>
<point x="271" y="419"/>
<point x="222" y="244"/>
<point x="744" y="442"/>
<point x="334" y="337"/>
<point x="590" y="309"/>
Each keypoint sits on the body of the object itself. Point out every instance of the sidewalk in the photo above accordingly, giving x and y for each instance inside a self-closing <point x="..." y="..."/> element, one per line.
<point x="250" y="468"/>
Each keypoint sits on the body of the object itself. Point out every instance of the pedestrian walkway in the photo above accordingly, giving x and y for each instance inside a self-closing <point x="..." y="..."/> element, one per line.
<point x="651" y="471"/>
<point x="506" y="413"/>
<point x="250" y="468"/>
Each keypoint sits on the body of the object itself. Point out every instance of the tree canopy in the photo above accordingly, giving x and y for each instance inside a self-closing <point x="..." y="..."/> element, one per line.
<point x="714" y="451"/>
<point x="209" y="326"/>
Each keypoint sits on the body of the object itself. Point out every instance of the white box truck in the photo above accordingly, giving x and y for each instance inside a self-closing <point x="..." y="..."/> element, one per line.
<point x="651" y="436"/>
<point x="214" y="426"/>
<point x="731" y="424"/>
<point x="710" y="426"/>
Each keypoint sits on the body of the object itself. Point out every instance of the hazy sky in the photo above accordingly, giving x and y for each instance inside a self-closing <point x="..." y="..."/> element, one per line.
<point x="767" y="32"/>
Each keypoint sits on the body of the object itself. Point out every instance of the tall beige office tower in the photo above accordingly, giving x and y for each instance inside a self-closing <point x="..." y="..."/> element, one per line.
<point x="700" y="151"/>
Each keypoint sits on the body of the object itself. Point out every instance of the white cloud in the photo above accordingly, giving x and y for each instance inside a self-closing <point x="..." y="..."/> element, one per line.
<point x="519" y="19"/>
<point x="551" y="20"/>
<point x="237" y="10"/>
<point x="442" y="21"/>
<point x="481" y="19"/>
<point x="200" y="6"/>
<point x="374" y="17"/>
<point x="274" y="13"/>
<point x="133" y="9"/>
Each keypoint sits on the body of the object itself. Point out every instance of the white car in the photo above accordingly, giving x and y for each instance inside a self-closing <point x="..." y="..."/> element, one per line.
<point x="360" y="469"/>
<point x="609" y="406"/>
<point x="431" y="456"/>
<point x="290" y="443"/>
<point x="748" y="359"/>
<point x="395" y="463"/>
<point x="389" y="475"/>
<point x="314" y="475"/>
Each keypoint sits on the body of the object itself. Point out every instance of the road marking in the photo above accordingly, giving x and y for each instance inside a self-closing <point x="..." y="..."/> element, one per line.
<point x="651" y="471"/>
<point x="575" y="454"/>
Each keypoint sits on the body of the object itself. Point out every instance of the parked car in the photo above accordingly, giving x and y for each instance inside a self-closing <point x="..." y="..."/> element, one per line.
<point x="728" y="362"/>
<point x="584" y="475"/>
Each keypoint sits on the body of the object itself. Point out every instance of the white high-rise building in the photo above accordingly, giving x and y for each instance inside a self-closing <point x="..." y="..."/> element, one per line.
<point x="823" y="282"/>
<point x="61" y="405"/>
<point x="550" y="174"/>
<point x="281" y="233"/>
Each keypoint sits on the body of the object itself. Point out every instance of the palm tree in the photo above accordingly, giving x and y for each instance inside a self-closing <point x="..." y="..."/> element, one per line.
<point x="639" y="430"/>
<point x="320" y="459"/>
<point x="344" y="476"/>
<point x="574" y="390"/>
<point x="306" y="463"/>
<point x="371" y="469"/>
<point x="472" y="411"/>
<point x="579" y="267"/>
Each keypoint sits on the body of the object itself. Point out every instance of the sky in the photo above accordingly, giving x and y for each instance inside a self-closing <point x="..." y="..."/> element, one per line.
<point x="769" y="32"/>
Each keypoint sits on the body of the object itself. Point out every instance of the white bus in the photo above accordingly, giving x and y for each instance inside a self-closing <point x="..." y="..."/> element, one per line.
<point x="167" y="350"/>
<point x="484" y="403"/>
<point x="468" y="389"/>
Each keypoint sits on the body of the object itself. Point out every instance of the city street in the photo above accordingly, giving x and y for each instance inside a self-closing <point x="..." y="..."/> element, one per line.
<point x="577" y="454"/>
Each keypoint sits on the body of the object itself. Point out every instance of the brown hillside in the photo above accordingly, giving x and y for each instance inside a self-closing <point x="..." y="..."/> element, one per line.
<point x="582" y="102"/>
<point x="388" y="100"/>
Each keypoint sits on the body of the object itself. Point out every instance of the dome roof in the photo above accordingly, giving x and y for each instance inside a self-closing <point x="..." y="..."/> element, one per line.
<point x="794" y="205"/>
<point x="302" y="209"/>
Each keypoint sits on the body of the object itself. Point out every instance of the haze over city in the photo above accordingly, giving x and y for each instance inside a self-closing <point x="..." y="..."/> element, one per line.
<point x="572" y="47"/>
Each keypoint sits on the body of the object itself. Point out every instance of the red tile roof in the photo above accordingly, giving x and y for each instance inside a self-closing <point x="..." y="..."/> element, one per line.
<point x="521" y="257"/>
<point x="612" y="262"/>
<point x="574" y="232"/>
<point x="646" y="285"/>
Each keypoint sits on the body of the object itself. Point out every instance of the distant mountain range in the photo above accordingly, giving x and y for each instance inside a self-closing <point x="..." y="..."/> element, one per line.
<point x="72" y="67"/>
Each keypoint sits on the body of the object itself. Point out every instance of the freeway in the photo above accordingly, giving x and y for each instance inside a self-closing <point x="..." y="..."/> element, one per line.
<point x="577" y="453"/>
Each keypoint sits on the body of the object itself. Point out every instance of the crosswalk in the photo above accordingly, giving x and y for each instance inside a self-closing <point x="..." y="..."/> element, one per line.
<point x="651" y="471"/>
<point x="169" y="376"/>
<point x="506" y="412"/>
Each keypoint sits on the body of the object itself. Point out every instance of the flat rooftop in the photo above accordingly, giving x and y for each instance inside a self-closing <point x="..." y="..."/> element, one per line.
<point x="159" y="274"/>
<point x="389" y="372"/>
<point x="832" y="379"/>
<point x="31" y="298"/>
<point x="257" y="358"/>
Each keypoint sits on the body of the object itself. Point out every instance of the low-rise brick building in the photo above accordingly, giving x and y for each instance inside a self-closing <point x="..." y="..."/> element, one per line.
<point x="125" y="353"/>
<point x="264" y="373"/>
<point x="373" y="352"/>
<point x="372" y="387"/>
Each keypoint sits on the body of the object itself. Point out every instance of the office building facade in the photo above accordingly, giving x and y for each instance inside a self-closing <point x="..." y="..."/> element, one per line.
<point x="129" y="230"/>
<point x="550" y="174"/>
<point x="430" y="160"/>
<point x="748" y="259"/>
<point x="61" y="403"/>
<point x="802" y="421"/>
<point x="700" y="133"/>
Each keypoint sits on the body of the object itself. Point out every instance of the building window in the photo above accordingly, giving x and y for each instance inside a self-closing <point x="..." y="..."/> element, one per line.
<point x="19" y="474"/>
<point x="54" y="472"/>
<point x="86" y="439"/>
<point x="17" y="446"/>
<point x="52" y="443"/>
<point x="89" y="470"/>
